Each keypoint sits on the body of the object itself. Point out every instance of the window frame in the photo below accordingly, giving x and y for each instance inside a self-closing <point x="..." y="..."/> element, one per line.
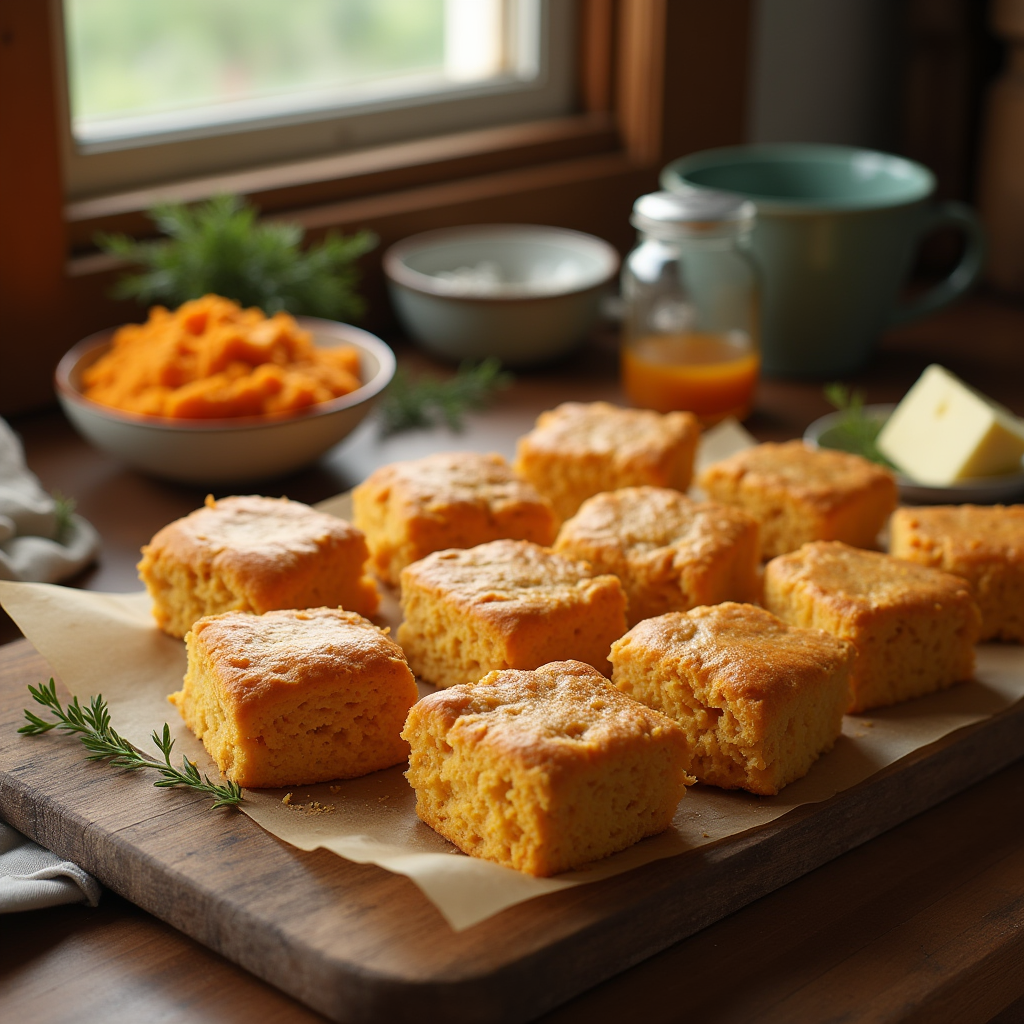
<point x="100" y="168"/>
<point x="655" y="79"/>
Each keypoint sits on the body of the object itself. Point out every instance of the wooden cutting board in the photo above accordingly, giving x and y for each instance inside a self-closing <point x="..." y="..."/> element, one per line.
<point x="360" y="944"/>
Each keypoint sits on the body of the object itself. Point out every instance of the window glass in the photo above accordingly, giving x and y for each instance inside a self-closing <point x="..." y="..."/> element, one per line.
<point x="139" y="67"/>
<point x="163" y="90"/>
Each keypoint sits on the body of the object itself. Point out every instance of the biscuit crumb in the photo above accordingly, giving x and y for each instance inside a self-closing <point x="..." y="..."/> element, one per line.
<point x="287" y="799"/>
<point x="705" y="835"/>
<point x="313" y="807"/>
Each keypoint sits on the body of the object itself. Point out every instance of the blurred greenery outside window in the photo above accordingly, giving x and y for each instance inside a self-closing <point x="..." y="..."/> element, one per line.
<point x="324" y="74"/>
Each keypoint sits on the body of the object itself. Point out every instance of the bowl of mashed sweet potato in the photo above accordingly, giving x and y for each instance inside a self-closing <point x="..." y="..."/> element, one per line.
<point x="211" y="393"/>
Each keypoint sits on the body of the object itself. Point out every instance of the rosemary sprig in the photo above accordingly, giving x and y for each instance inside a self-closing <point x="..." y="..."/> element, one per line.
<point x="856" y="431"/>
<point x="426" y="401"/>
<point x="98" y="736"/>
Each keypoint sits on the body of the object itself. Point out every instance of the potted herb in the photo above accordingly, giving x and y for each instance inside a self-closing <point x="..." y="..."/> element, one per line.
<point x="221" y="247"/>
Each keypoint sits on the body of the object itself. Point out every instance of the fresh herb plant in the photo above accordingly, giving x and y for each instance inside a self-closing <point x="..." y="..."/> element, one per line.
<point x="221" y="247"/>
<point x="92" y="724"/>
<point x="856" y="431"/>
<point x="410" y="403"/>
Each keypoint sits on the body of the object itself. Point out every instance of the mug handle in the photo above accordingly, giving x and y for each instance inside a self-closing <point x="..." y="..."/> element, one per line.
<point x="962" y="276"/>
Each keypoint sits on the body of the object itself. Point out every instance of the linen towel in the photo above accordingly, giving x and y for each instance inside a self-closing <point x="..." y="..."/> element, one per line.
<point x="35" y="545"/>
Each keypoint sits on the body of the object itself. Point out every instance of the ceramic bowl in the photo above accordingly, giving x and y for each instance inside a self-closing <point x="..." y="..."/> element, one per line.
<point x="987" y="490"/>
<point x="225" y="451"/>
<point x="544" y="297"/>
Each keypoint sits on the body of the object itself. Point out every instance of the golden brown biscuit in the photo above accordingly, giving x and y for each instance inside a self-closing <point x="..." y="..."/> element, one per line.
<point x="579" y="450"/>
<point x="670" y="552"/>
<point x="759" y="701"/>
<point x="294" y="697"/>
<point x="507" y="604"/>
<point x="799" y="494"/>
<point x="914" y="627"/>
<point x="254" y="554"/>
<point x="982" y="544"/>
<point x="543" y="770"/>
<point x="452" y="500"/>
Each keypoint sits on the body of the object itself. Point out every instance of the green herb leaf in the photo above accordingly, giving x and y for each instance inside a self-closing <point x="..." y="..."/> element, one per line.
<point x="411" y="403"/>
<point x="64" y="509"/>
<point x="98" y="736"/>
<point x="856" y="431"/>
<point x="220" y="247"/>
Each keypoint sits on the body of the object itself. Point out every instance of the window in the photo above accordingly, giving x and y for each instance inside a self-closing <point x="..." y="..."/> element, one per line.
<point x="161" y="89"/>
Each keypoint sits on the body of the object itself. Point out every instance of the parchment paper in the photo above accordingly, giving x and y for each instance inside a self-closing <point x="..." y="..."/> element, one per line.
<point x="106" y="643"/>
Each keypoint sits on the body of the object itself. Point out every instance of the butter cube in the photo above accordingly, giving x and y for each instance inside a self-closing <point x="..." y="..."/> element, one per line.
<point x="943" y="431"/>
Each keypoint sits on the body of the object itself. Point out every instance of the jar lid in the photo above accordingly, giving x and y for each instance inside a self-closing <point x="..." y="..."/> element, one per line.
<point x="696" y="211"/>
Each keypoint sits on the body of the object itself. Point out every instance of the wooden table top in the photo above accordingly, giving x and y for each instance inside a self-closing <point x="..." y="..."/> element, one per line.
<point x="923" y="923"/>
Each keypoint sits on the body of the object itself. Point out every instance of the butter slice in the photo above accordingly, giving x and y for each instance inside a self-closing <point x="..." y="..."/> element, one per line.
<point x="943" y="431"/>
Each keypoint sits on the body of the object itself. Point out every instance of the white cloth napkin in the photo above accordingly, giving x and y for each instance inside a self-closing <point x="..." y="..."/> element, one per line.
<point x="30" y="549"/>
<point x="32" y="878"/>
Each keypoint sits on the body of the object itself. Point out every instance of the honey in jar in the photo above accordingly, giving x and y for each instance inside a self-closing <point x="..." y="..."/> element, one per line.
<point x="691" y="327"/>
<point x="708" y="374"/>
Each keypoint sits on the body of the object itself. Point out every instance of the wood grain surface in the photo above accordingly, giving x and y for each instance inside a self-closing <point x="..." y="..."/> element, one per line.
<point x="357" y="943"/>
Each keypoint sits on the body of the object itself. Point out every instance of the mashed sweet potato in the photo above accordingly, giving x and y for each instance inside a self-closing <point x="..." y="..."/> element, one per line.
<point x="210" y="358"/>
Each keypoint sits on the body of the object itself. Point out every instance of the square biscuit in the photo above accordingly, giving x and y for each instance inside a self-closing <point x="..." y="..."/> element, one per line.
<point x="543" y="770"/>
<point x="294" y="697"/>
<point x="254" y="554"/>
<point x="758" y="700"/>
<point x="800" y="494"/>
<point x="670" y="552"/>
<point x="506" y="604"/>
<point x="578" y="450"/>
<point x="982" y="544"/>
<point x="914" y="627"/>
<point x="451" y="500"/>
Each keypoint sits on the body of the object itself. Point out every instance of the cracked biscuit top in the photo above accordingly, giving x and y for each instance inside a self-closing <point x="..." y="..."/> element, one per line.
<point x="507" y="578"/>
<point x="561" y="712"/>
<point x="821" y="478"/>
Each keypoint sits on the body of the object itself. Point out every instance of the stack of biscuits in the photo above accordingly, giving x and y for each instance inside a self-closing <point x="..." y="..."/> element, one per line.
<point x="599" y="639"/>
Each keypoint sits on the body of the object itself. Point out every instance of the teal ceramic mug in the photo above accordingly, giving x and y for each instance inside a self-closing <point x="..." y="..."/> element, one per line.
<point x="836" y="233"/>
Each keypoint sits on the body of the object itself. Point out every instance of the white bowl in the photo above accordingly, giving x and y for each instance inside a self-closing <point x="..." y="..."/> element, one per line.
<point x="225" y="451"/>
<point x="550" y="297"/>
<point x="987" y="490"/>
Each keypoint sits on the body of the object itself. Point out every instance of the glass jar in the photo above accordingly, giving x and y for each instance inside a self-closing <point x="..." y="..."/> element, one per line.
<point x="691" y="331"/>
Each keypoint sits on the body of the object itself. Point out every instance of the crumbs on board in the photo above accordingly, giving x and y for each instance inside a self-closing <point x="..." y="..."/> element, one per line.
<point x="312" y="807"/>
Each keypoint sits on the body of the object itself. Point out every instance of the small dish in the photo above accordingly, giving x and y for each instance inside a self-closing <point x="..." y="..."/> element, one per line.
<point x="982" y="491"/>
<point x="225" y="451"/>
<point x="523" y="293"/>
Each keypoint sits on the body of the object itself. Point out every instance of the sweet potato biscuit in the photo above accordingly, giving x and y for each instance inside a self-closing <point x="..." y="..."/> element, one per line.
<point x="983" y="544"/>
<point x="578" y="450"/>
<point x="799" y="494"/>
<point x="254" y="554"/>
<point x="294" y="697"/>
<point x="506" y="604"/>
<point x="543" y="770"/>
<point x="671" y="553"/>
<point x="450" y="500"/>
<point x="914" y="627"/>
<point x="759" y="701"/>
